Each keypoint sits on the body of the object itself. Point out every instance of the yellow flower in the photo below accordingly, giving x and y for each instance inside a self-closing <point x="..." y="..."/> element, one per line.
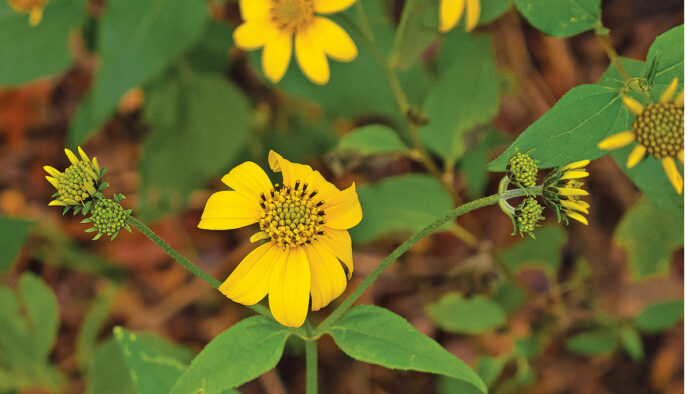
<point x="271" y="24"/>
<point x="305" y="220"/>
<point x="563" y="191"/>
<point x="658" y="131"/>
<point x="35" y="8"/>
<point x="451" y="11"/>
<point x="78" y="183"/>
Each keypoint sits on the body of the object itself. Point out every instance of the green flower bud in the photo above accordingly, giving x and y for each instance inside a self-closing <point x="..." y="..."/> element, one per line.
<point x="527" y="216"/>
<point x="522" y="170"/>
<point x="78" y="184"/>
<point x="108" y="217"/>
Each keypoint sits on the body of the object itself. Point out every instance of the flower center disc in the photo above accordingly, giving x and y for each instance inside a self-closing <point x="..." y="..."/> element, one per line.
<point x="292" y="216"/>
<point x="292" y="15"/>
<point x="76" y="182"/>
<point x="660" y="129"/>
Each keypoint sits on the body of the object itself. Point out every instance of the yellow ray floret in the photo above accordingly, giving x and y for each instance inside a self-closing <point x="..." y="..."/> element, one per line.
<point x="617" y="141"/>
<point x="672" y="173"/>
<point x="451" y="11"/>
<point x="305" y="220"/>
<point x="669" y="92"/>
<point x="633" y="105"/>
<point x="636" y="156"/>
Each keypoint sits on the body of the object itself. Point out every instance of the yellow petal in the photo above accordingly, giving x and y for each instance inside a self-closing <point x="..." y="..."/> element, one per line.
<point x="250" y="281"/>
<point x="311" y="58"/>
<point x="291" y="172"/>
<point x="290" y="287"/>
<point x="334" y="41"/>
<point x="254" y="9"/>
<point x="681" y="156"/>
<point x="248" y="179"/>
<point x="276" y="55"/>
<point x="577" y="216"/>
<point x="328" y="279"/>
<point x="576" y="164"/>
<point x="331" y="6"/>
<point x="575" y="205"/>
<point x="450" y="12"/>
<point x="317" y="183"/>
<point x="672" y="173"/>
<point x="636" y="155"/>
<point x="259" y="236"/>
<point x="338" y="242"/>
<point x="343" y="209"/>
<point x="473" y="13"/>
<point x="617" y="141"/>
<point x="669" y="92"/>
<point x="52" y="171"/>
<point x="57" y="203"/>
<point x="52" y="181"/>
<point x="574" y="174"/>
<point x="253" y="34"/>
<point x="71" y="156"/>
<point x="229" y="209"/>
<point x="633" y="105"/>
<point x="680" y="99"/>
<point x="83" y="155"/>
<point x="96" y="165"/>
<point x="35" y="16"/>
<point x="569" y="191"/>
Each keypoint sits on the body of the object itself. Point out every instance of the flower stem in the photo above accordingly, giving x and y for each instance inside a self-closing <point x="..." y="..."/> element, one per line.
<point x="311" y="367"/>
<point x="398" y="252"/>
<point x="183" y="261"/>
<point x="604" y="40"/>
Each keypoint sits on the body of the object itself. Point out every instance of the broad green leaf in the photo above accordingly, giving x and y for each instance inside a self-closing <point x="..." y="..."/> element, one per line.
<point x="454" y="313"/>
<point x="561" y="18"/>
<point x="417" y="29"/>
<point x="660" y="316"/>
<point x="570" y="131"/>
<point x="492" y="9"/>
<point x="649" y="235"/>
<point x="403" y="203"/>
<point x="211" y="52"/>
<point x="669" y="47"/>
<point x="509" y="295"/>
<point x="238" y="355"/>
<point x="473" y="164"/>
<point x="108" y="372"/>
<point x="211" y="116"/>
<point x="92" y="324"/>
<point x="467" y="66"/>
<point x="41" y="308"/>
<point x="528" y="347"/>
<point x="544" y="252"/>
<point x="151" y="371"/>
<point x="13" y="233"/>
<point x="31" y="52"/>
<point x="632" y="343"/>
<point x="591" y="343"/>
<point x="372" y="140"/>
<point x="137" y="41"/>
<point x="378" y="336"/>
<point x="488" y="368"/>
<point x="317" y="136"/>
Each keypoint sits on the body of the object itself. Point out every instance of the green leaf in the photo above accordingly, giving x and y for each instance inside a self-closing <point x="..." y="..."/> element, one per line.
<point x="649" y="235"/>
<point x="150" y="370"/>
<point x="211" y="53"/>
<point x="473" y="164"/>
<point x="238" y="355"/>
<point x="372" y="140"/>
<point x="31" y="52"/>
<point x="90" y="329"/>
<point x="417" y="29"/>
<point x="488" y="368"/>
<point x="454" y="313"/>
<point x="570" y="131"/>
<point x="592" y="343"/>
<point x="669" y="46"/>
<point x="492" y="9"/>
<point x="560" y="18"/>
<point x="13" y="234"/>
<point x="660" y="317"/>
<point x="528" y="347"/>
<point x="632" y="342"/>
<point x="209" y="113"/>
<point x="108" y="372"/>
<point x="378" y="336"/>
<point x="466" y="65"/>
<point x="404" y="203"/>
<point x="285" y="140"/>
<point x="509" y="295"/>
<point x="42" y="314"/>
<point x="544" y="252"/>
<point x="137" y="41"/>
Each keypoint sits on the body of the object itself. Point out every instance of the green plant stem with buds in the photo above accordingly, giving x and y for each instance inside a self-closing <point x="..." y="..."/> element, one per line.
<point x="185" y="262"/>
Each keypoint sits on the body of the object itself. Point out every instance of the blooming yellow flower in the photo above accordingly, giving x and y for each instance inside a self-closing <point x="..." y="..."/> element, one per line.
<point x="658" y="131"/>
<point x="451" y="11"/>
<point x="271" y="24"/>
<point x="35" y="8"/>
<point x="78" y="183"/>
<point x="305" y="220"/>
<point x="563" y="191"/>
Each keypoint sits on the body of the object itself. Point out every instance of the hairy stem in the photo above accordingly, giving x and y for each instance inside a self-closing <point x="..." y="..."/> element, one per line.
<point x="185" y="262"/>
<point x="311" y="367"/>
<point x="605" y="42"/>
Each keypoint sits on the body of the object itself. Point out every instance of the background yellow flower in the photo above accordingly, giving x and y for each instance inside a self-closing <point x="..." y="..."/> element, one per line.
<point x="451" y="11"/>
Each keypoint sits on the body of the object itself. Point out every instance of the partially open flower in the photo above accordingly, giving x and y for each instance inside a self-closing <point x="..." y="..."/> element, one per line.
<point x="658" y="131"/>
<point x="304" y="221"/>
<point x="562" y="191"/>
<point x="78" y="184"/>
<point x="35" y="8"/>
<point x="108" y="217"/>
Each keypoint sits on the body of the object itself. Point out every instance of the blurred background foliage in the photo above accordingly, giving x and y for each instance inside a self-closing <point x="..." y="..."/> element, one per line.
<point x="157" y="92"/>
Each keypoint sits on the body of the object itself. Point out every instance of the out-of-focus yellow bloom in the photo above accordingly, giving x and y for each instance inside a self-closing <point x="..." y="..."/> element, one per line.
<point x="274" y="24"/>
<point x="658" y="131"/>
<point x="305" y="220"/>
<point x="35" y="8"/>
<point x="451" y="11"/>
<point x="78" y="183"/>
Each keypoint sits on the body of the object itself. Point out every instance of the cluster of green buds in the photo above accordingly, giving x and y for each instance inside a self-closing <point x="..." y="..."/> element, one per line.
<point x="79" y="187"/>
<point x="561" y="191"/>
